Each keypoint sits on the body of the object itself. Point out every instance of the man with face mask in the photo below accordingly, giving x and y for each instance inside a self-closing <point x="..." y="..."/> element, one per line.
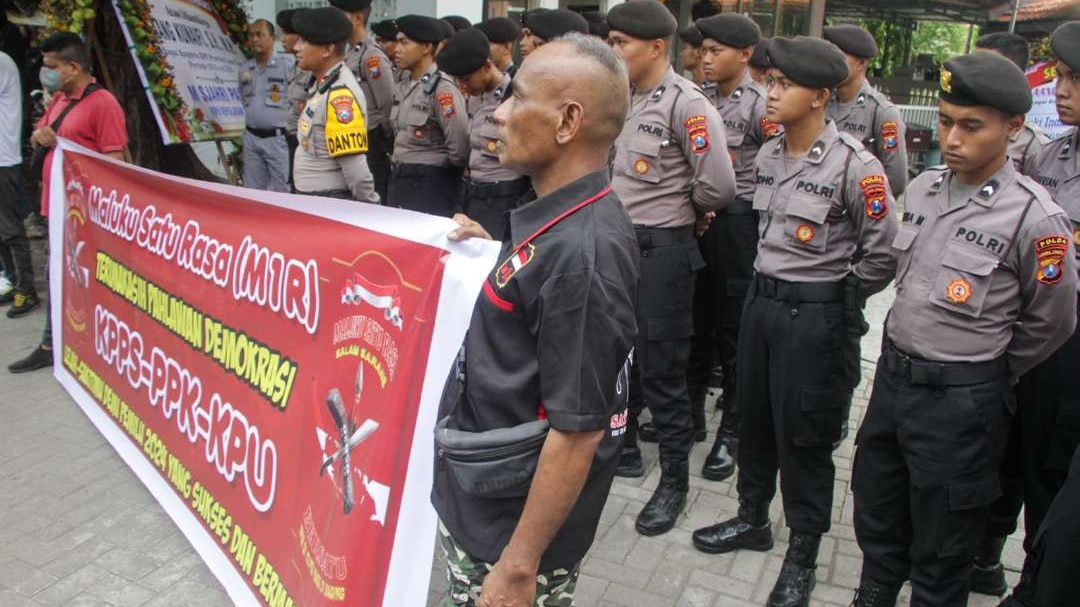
<point x="86" y="114"/>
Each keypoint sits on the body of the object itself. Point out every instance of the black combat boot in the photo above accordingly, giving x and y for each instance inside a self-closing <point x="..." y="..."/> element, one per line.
<point x="630" y="464"/>
<point x="646" y="433"/>
<point x="796" y="580"/>
<point x="988" y="576"/>
<point x="750" y="530"/>
<point x="720" y="463"/>
<point x="667" y="502"/>
<point x="873" y="594"/>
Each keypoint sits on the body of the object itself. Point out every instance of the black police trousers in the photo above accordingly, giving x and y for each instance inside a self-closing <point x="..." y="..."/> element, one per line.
<point x="1043" y="437"/>
<point x="380" y="146"/>
<point x="925" y="474"/>
<point x="425" y="188"/>
<point x="729" y="248"/>
<point x="669" y="261"/>
<point x="14" y="246"/>
<point x="487" y="203"/>
<point x="790" y="398"/>
<point x="1050" y="569"/>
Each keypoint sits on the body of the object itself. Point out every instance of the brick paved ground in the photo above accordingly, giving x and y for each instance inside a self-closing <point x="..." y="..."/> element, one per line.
<point x="77" y="529"/>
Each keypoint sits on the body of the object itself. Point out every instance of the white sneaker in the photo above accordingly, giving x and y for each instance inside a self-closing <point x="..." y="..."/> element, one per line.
<point x="5" y="285"/>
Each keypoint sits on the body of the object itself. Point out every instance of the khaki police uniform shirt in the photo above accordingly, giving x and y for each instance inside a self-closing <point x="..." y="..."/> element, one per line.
<point x="815" y="210"/>
<point x="966" y="289"/>
<point x="1057" y="168"/>
<point x="877" y="123"/>
<point x="671" y="159"/>
<point x="1026" y="145"/>
<point x="483" y="138"/>
<point x="373" y="70"/>
<point x="297" y="94"/>
<point x="747" y="129"/>
<point x="323" y="164"/>
<point x="262" y="89"/>
<point x="430" y="123"/>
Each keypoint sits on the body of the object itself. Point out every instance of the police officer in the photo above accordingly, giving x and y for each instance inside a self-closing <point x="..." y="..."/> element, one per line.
<point x="759" y="61"/>
<point x="985" y="290"/>
<point x="820" y="196"/>
<point x="332" y="128"/>
<point x="597" y="24"/>
<point x="690" y="57"/>
<point x="371" y="67"/>
<point x="296" y="89"/>
<point x="1047" y="407"/>
<point x="431" y="148"/>
<point x="491" y="189"/>
<point x="550" y="337"/>
<point x="457" y="22"/>
<point x="541" y="25"/>
<point x="730" y="244"/>
<point x="263" y="80"/>
<point x="1024" y="145"/>
<point x="671" y="168"/>
<point x="860" y="109"/>
<point x="503" y="33"/>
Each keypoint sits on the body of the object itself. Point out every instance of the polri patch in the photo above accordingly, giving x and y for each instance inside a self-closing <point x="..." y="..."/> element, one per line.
<point x="446" y="104"/>
<point x="1050" y="252"/>
<point x="373" y="68"/>
<point x="514" y="263"/>
<point x="890" y="135"/>
<point x="769" y="128"/>
<point x="875" y="195"/>
<point x="697" y="128"/>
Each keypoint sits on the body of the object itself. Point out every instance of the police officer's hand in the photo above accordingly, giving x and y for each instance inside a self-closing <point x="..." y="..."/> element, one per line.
<point x="468" y="229"/>
<point x="703" y="221"/>
<point x="44" y="137"/>
<point x="506" y="587"/>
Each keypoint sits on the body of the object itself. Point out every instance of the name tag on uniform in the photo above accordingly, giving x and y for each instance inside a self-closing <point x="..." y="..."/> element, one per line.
<point x="346" y="132"/>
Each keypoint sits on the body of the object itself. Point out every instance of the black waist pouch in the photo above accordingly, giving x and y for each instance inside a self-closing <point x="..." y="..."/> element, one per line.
<point x="497" y="463"/>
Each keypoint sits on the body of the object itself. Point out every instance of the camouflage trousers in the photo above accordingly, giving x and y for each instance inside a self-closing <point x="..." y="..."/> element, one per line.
<point x="465" y="575"/>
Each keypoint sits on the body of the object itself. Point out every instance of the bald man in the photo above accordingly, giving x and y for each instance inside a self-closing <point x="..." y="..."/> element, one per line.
<point x="546" y="358"/>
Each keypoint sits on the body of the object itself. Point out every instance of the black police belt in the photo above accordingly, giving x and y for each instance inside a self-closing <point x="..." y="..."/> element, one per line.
<point x="921" y="372"/>
<point x="423" y="170"/>
<point x="497" y="189"/>
<point x="265" y="133"/>
<point x="342" y="194"/>
<point x="648" y="237"/>
<point x="739" y="207"/>
<point x="797" y="292"/>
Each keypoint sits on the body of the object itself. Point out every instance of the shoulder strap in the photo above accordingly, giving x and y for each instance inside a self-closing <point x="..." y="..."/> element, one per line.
<point x="90" y="88"/>
<point x="1016" y="231"/>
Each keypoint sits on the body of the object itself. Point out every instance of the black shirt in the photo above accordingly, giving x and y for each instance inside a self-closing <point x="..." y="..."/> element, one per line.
<point x="550" y="335"/>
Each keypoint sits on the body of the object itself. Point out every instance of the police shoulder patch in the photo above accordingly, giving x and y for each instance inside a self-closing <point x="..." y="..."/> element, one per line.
<point x="446" y="104"/>
<point x="346" y="132"/>
<point x="697" y="129"/>
<point x="769" y="128"/>
<point x="373" y="69"/>
<point x="512" y="264"/>
<point x="1050" y="254"/>
<point x="890" y="135"/>
<point x="875" y="196"/>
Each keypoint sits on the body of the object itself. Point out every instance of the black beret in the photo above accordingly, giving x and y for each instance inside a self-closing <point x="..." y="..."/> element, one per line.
<point x="554" y="23"/>
<point x="284" y="20"/>
<point x="852" y="39"/>
<point x="351" y="6"/>
<point x="760" y="58"/>
<point x="458" y="22"/>
<point x="385" y="29"/>
<point x="644" y="20"/>
<point x="985" y="78"/>
<point x="730" y="29"/>
<point x="464" y="53"/>
<point x="526" y="15"/>
<point x="810" y="62"/>
<point x="500" y="29"/>
<point x="691" y="35"/>
<point x="422" y="29"/>
<point x="1065" y="43"/>
<point x="702" y="9"/>
<point x="597" y="23"/>
<point x="323" y="25"/>
<point x="447" y="28"/>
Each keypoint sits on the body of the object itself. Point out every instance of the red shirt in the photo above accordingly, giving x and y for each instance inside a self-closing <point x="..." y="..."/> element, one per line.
<point x="96" y="122"/>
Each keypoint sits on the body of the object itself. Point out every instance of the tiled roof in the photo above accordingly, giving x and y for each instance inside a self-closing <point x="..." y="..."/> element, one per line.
<point x="1038" y="10"/>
